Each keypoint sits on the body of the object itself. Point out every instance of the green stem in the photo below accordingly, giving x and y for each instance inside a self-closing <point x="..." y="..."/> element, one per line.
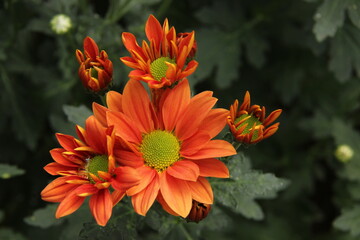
<point x="186" y="233"/>
<point x="103" y="100"/>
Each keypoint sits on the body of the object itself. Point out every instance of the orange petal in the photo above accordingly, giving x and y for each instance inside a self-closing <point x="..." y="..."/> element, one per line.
<point x="91" y="49"/>
<point x="101" y="205"/>
<point x="114" y="101"/>
<point x="188" y="124"/>
<point x="166" y="207"/>
<point x="100" y="113"/>
<point x="70" y="204"/>
<point x="214" y="122"/>
<point x="272" y="117"/>
<point x="128" y="158"/>
<point x="213" y="149"/>
<point x="96" y="137"/>
<point x="86" y="190"/>
<point x="126" y="177"/>
<point x="177" y="194"/>
<point x="136" y="104"/>
<point x="201" y="191"/>
<point x="57" y="190"/>
<point x="54" y="167"/>
<point x="175" y="103"/>
<point x="147" y="175"/>
<point x="184" y="170"/>
<point x="212" y="168"/>
<point x="124" y="127"/>
<point x="194" y="143"/>
<point x="116" y="196"/>
<point x="66" y="141"/>
<point x="190" y="68"/>
<point x="57" y="155"/>
<point x="144" y="199"/>
<point x="131" y="44"/>
<point x="154" y="31"/>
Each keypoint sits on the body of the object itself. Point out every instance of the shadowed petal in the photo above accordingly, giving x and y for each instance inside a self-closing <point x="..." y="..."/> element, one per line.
<point x="70" y="204"/>
<point x="101" y="205"/>
<point x="176" y="193"/>
<point x="213" y="149"/>
<point x="185" y="170"/>
<point x="201" y="191"/>
<point x="212" y="168"/>
<point x="144" y="199"/>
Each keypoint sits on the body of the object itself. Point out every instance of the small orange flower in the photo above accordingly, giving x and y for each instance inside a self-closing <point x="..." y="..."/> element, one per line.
<point x="172" y="148"/>
<point x="95" y="69"/>
<point x="87" y="167"/>
<point x="162" y="61"/>
<point x="248" y="123"/>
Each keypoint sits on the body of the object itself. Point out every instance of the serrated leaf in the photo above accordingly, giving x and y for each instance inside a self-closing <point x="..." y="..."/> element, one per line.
<point x="215" y="58"/>
<point x="319" y="125"/>
<point x="328" y="18"/>
<point x="246" y="185"/>
<point x="44" y="217"/>
<point x="255" y="47"/>
<point x="8" y="171"/>
<point x="345" y="53"/>
<point x="354" y="12"/>
<point x="77" y="115"/>
<point x="349" y="220"/>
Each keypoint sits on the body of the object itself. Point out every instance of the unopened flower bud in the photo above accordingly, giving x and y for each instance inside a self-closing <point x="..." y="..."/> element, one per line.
<point x="344" y="153"/>
<point x="61" y="24"/>
<point x="198" y="212"/>
<point x="95" y="69"/>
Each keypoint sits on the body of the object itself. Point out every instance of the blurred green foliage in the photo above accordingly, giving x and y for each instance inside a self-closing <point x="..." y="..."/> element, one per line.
<point x="300" y="55"/>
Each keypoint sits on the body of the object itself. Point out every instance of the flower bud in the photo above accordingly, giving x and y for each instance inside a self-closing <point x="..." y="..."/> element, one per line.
<point x="344" y="153"/>
<point x="95" y="69"/>
<point x="60" y="24"/>
<point x="198" y="212"/>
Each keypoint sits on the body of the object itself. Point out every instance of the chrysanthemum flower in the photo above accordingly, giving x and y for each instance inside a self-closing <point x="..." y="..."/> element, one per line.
<point x="248" y="124"/>
<point x="171" y="148"/>
<point x="87" y="167"/>
<point x="162" y="61"/>
<point x="95" y="69"/>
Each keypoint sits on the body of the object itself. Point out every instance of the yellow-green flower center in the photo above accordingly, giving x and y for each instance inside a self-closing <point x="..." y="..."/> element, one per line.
<point x="158" y="67"/>
<point x="97" y="163"/>
<point x="160" y="149"/>
<point x="250" y="123"/>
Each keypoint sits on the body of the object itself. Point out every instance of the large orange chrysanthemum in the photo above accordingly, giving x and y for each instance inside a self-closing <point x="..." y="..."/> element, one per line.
<point x="87" y="168"/>
<point x="248" y="124"/>
<point x="162" y="61"/>
<point x="172" y="147"/>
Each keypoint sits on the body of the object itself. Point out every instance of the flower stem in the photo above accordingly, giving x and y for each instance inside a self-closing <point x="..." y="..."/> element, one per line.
<point x="186" y="233"/>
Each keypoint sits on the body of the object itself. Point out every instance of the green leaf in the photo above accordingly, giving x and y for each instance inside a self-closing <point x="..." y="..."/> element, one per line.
<point x="345" y="53"/>
<point x="288" y="84"/>
<point x="246" y="185"/>
<point x="255" y="47"/>
<point x="328" y="18"/>
<point x="8" y="171"/>
<point x="319" y="125"/>
<point x="77" y="115"/>
<point x="349" y="220"/>
<point x="213" y="56"/>
<point x="44" y="217"/>
<point x="9" y="234"/>
<point x="354" y="12"/>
